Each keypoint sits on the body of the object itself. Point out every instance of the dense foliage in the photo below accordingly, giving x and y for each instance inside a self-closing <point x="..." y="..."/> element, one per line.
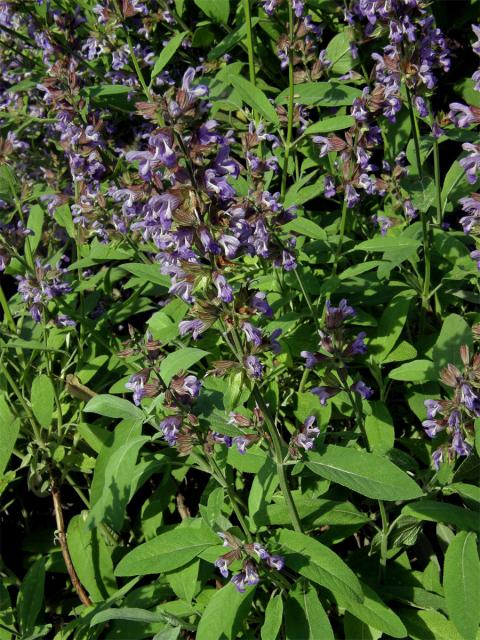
<point x="239" y="367"/>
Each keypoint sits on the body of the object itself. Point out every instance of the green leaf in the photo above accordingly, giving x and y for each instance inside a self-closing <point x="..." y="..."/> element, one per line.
<point x="428" y="625"/>
<point x="119" y="476"/>
<point x="91" y="558"/>
<point x="7" y="619"/>
<point x="306" y="227"/>
<point x="35" y="223"/>
<point x="149" y="273"/>
<point x="273" y="618"/>
<point x="366" y="473"/>
<point x="184" y="580"/>
<point x="167" y="53"/>
<point x="217" y="10"/>
<point x="339" y="54"/>
<point x="421" y="191"/>
<point x="8" y="183"/>
<point x="391" y="325"/>
<point x="461" y="583"/>
<point x="225" y="614"/>
<point x="416" y="371"/>
<point x="263" y="487"/>
<point x="167" y="551"/>
<point x="230" y="41"/>
<point x="455" y="332"/>
<point x="455" y="176"/>
<point x="466" y="491"/>
<point x="322" y="94"/>
<point x="443" y="512"/>
<point x="9" y="430"/>
<point x="180" y="360"/>
<point x="305" y="618"/>
<point x="328" y="125"/>
<point x="379" y="429"/>
<point x="318" y="512"/>
<point x="375" y="613"/>
<point x="30" y="597"/>
<point x="42" y="399"/>
<point x="318" y="563"/>
<point x="113" y="407"/>
<point x="386" y="243"/>
<point x="255" y="98"/>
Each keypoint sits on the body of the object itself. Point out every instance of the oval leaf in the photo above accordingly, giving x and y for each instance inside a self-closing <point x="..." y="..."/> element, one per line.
<point x="366" y="473"/>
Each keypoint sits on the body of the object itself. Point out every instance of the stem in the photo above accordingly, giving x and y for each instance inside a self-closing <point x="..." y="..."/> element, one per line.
<point x="77" y="585"/>
<point x="291" y="88"/>
<point x="355" y="407"/>
<point x="415" y="133"/>
<point x="23" y="402"/>
<point x="281" y="472"/>
<point x="275" y="438"/>
<point x="343" y="222"/>
<point x="438" y="189"/>
<point x="423" y="214"/>
<point x="6" y="311"/>
<point x="231" y="495"/>
<point x="384" y="542"/>
<point x="138" y="71"/>
<point x="251" y="59"/>
<point x="307" y="299"/>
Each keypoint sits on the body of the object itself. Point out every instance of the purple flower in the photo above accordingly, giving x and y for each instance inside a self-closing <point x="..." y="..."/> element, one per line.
<point x="238" y="580"/>
<point x="224" y="290"/>
<point x="170" y="427"/>
<point x="459" y="445"/>
<point x="241" y="442"/>
<point x="251" y="575"/>
<point x="421" y="106"/>
<point x="136" y="384"/>
<point x="432" y="428"/>
<point x="260" y="551"/>
<point x="259" y="303"/>
<point x="298" y="7"/>
<point x="253" y="334"/>
<point x="325" y="393"/>
<point x="409" y="209"/>
<point x="437" y="458"/>
<point x="308" y="433"/>
<point x="433" y="407"/>
<point x="471" y="164"/>
<point x="254" y="367"/>
<point x="312" y="359"/>
<point x="461" y="115"/>
<point x="475" y="255"/>
<point x="357" y="347"/>
<point x="336" y="315"/>
<point x="276" y="562"/>
<point x="469" y="399"/>
<point x="329" y="190"/>
<point x="352" y="197"/>
<point x="362" y="389"/>
<point x="222" y="565"/>
<point x="195" y="327"/>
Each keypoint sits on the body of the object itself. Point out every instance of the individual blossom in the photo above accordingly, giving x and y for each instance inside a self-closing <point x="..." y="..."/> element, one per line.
<point x="305" y="438"/>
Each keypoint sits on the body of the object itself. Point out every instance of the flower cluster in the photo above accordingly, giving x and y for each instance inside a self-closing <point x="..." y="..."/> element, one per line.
<point x="250" y="555"/>
<point x="46" y="284"/>
<point x="464" y="116"/>
<point x="337" y="348"/>
<point x="455" y="417"/>
<point x="416" y="49"/>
